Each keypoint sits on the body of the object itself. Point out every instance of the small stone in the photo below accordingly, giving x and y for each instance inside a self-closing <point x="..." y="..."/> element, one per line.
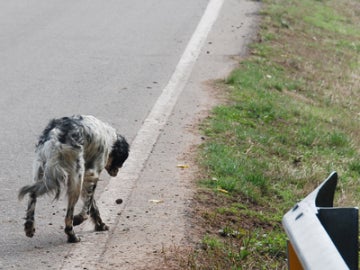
<point x="119" y="201"/>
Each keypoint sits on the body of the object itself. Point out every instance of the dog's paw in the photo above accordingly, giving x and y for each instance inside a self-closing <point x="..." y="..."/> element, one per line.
<point x="78" y="219"/>
<point x="73" y="239"/>
<point x="29" y="228"/>
<point x="102" y="227"/>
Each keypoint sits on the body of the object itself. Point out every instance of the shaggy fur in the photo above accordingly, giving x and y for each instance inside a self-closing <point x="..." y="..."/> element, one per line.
<point x="71" y="153"/>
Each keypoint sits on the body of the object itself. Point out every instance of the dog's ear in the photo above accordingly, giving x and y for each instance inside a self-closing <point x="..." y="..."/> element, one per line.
<point x="119" y="152"/>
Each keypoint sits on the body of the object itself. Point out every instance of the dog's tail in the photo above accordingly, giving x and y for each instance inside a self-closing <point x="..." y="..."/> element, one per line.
<point x="49" y="176"/>
<point x="38" y="189"/>
<point x="46" y="185"/>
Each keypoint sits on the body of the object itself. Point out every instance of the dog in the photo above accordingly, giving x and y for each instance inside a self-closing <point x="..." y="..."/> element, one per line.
<point x="71" y="153"/>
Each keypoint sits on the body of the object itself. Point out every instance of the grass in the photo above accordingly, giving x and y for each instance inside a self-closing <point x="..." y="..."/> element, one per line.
<point x="292" y="117"/>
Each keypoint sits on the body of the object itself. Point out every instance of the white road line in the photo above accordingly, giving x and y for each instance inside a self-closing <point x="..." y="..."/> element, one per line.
<point x="122" y="185"/>
<point x="147" y="136"/>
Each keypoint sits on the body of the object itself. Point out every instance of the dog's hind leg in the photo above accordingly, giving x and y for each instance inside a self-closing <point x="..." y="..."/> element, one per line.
<point x="74" y="189"/>
<point x="69" y="229"/>
<point x="30" y="216"/>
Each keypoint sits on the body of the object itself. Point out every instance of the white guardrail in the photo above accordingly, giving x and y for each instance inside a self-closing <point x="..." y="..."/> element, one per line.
<point x="322" y="237"/>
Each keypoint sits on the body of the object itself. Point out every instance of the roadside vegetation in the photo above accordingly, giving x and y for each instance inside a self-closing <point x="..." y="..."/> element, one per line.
<point x="291" y="118"/>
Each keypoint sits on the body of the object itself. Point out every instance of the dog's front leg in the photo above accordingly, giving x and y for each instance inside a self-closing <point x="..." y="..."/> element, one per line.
<point x="87" y="196"/>
<point x="90" y="207"/>
<point x="95" y="216"/>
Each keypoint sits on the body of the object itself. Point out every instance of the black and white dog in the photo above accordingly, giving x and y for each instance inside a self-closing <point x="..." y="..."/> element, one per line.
<point x="72" y="152"/>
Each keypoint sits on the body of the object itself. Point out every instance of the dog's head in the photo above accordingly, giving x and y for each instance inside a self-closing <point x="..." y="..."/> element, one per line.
<point x="119" y="153"/>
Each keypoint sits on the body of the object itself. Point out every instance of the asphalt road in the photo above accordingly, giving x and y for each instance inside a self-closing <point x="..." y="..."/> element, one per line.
<point x="110" y="59"/>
